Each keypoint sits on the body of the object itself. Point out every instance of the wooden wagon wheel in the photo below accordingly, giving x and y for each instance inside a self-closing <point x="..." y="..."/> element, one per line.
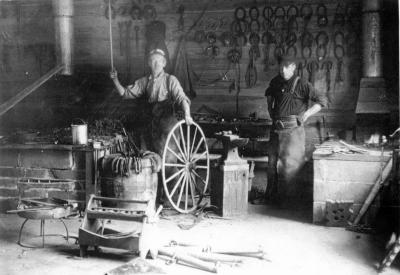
<point x="185" y="180"/>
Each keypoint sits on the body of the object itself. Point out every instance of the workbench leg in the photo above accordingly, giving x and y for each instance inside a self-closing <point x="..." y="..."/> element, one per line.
<point x="83" y="251"/>
<point x="66" y="229"/>
<point x="20" y="231"/>
<point x="42" y="231"/>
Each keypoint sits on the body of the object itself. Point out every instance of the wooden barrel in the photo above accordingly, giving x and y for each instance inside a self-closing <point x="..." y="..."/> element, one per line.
<point x="135" y="185"/>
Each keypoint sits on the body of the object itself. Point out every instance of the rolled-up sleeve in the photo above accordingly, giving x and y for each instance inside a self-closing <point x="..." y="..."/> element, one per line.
<point x="135" y="90"/>
<point x="317" y="96"/>
<point x="176" y="91"/>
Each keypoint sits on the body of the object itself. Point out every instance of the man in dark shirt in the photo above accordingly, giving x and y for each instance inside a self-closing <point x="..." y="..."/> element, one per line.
<point x="288" y="103"/>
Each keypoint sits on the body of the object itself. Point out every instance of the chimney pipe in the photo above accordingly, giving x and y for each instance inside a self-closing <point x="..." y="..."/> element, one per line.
<point x="64" y="31"/>
<point x="371" y="33"/>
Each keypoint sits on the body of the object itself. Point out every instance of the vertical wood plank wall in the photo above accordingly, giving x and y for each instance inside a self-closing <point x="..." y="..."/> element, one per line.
<point x="27" y="51"/>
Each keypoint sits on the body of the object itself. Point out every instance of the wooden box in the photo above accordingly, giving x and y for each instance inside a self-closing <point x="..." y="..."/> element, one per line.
<point x="229" y="189"/>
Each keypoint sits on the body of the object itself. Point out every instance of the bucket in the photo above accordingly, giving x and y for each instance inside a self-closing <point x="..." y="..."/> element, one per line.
<point x="79" y="133"/>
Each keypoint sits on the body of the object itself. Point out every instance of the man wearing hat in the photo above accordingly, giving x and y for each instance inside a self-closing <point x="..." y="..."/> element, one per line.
<point x="161" y="91"/>
<point x="288" y="104"/>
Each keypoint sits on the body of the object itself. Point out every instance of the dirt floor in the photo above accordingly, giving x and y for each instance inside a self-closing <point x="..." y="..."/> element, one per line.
<point x="292" y="245"/>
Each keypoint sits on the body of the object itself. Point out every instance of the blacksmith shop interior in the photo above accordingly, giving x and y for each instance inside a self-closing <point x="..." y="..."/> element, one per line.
<point x="199" y="136"/>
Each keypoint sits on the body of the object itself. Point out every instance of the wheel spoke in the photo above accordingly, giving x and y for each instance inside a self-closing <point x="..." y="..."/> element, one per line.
<point x="179" y="147"/>
<point x="175" y="165"/>
<point x="176" y="185"/>
<point x="192" y="188"/>
<point x="183" y="141"/>
<point x="176" y="155"/>
<point x="174" y="175"/>
<point x="198" y="145"/>
<point x="199" y="157"/>
<point x="194" y="139"/>
<point x="188" y="141"/>
<point x="181" y="192"/>
<point x="202" y="166"/>
<point x="186" y="192"/>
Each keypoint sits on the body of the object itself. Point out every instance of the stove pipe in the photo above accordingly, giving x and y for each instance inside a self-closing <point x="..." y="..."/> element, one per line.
<point x="64" y="31"/>
<point x="372" y="94"/>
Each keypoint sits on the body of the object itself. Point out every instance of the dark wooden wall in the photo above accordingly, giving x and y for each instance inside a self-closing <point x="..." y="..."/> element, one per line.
<point x="27" y="51"/>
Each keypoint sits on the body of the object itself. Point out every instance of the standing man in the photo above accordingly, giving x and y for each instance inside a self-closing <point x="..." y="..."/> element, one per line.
<point x="288" y="104"/>
<point x="161" y="92"/>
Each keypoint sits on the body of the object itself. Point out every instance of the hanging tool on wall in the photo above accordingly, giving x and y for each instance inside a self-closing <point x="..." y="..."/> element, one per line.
<point x="327" y="66"/>
<point x="268" y="15"/>
<point x="254" y="24"/>
<point x="307" y="40"/>
<point x="110" y="17"/>
<point x="181" y="22"/>
<point x="322" y="15"/>
<point x="251" y="72"/>
<point x="339" y="55"/>
<point x="292" y="14"/>
<point x="291" y="41"/>
<point x="300" y="69"/>
<point x="306" y="12"/>
<point x="267" y="39"/>
<point x="312" y="67"/>
<point x="322" y="41"/>
<point x="234" y="56"/>
<point x="254" y="40"/>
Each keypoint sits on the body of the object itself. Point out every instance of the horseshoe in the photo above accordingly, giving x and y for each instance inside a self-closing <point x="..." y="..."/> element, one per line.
<point x="254" y="13"/>
<point x="149" y="12"/>
<point x="254" y="26"/>
<point x="339" y="35"/>
<point x="240" y="14"/>
<point x="279" y="12"/>
<point x="322" y="38"/>
<point x="268" y="13"/>
<point x="339" y="52"/>
<point x="289" y="13"/>
<point x="136" y="12"/>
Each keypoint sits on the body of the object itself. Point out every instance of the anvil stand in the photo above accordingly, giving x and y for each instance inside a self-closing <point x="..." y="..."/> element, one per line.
<point x="229" y="192"/>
